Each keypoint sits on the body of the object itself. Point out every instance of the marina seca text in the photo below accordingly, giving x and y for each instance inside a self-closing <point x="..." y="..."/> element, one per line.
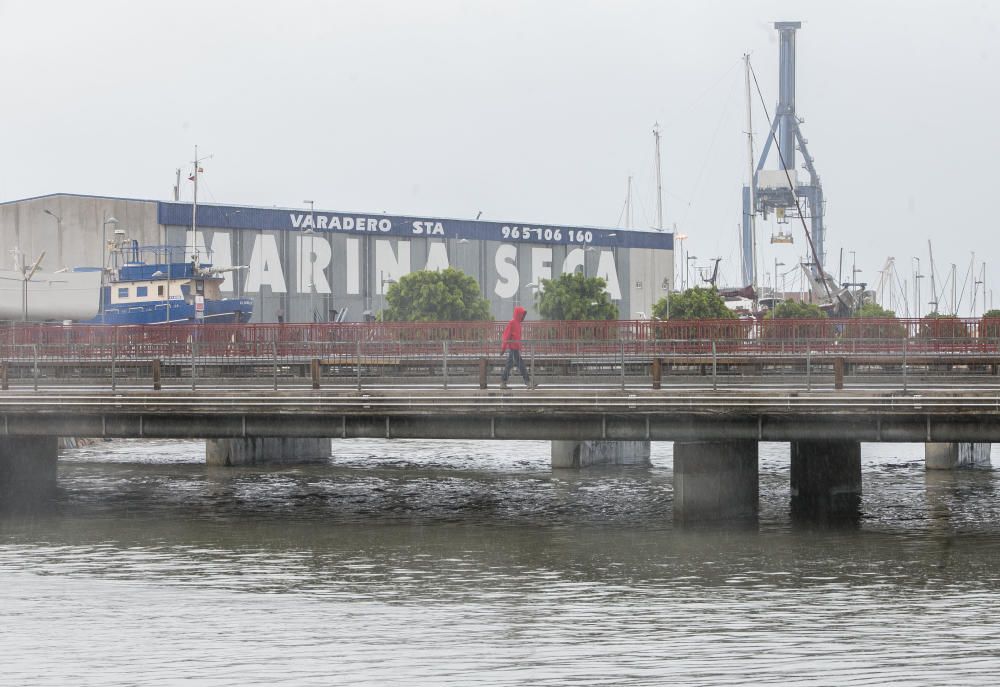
<point x="316" y="269"/>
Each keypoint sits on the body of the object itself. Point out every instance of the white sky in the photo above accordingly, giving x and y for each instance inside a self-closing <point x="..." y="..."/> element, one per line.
<point x="529" y="111"/>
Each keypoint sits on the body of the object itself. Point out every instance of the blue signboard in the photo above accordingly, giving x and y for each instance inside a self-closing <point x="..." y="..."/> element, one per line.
<point x="274" y="219"/>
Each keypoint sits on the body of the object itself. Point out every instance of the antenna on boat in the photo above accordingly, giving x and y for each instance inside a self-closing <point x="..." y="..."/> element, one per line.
<point x="194" y="177"/>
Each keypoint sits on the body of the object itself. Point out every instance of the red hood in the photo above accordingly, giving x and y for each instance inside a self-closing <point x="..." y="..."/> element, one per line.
<point x="519" y="313"/>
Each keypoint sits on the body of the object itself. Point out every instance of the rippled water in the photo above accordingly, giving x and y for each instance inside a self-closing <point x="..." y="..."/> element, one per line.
<point x="450" y="563"/>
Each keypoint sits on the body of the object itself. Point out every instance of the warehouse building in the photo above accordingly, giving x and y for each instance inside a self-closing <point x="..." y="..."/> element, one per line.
<point x="302" y="265"/>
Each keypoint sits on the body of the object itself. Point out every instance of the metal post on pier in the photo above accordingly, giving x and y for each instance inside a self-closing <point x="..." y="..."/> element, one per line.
<point x="483" y="367"/>
<point x="622" y="349"/>
<point x="715" y="368"/>
<point x="808" y="369"/>
<point x="904" y="366"/>
<point x="34" y="349"/>
<point x="4" y="376"/>
<point x="357" y="361"/>
<point x="657" y="373"/>
<point x="157" y="385"/>
<point x="444" y="350"/>
<point x="531" y="373"/>
<point x="194" y="364"/>
<point x="314" y="369"/>
<point x="114" y="359"/>
<point x="274" y="363"/>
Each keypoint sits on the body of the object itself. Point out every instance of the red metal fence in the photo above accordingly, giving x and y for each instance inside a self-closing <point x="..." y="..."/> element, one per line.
<point x="855" y="335"/>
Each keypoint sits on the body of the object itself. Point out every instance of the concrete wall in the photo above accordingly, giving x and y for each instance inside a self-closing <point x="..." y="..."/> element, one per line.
<point x="582" y="454"/>
<point x="266" y="451"/>
<point x="960" y="454"/>
<point x="72" y="238"/>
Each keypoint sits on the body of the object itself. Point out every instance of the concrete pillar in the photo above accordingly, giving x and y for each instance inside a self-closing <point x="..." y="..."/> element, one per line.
<point x="715" y="480"/>
<point x="266" y="451"/>
<point x="826" y="478"/>
<point x="27" y="470"/>
<point x="960" y="454"/>
<point x="583" y="454"/>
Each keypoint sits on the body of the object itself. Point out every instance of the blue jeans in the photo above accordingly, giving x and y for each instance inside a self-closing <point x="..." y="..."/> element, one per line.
<point x="514" y="358"/>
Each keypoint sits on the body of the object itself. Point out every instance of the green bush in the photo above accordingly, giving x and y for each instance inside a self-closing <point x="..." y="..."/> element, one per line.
<point x="887" y="328"/>
<point x="989" y="326"/>
<point x="775" y="328"/>
<point x="937" y="326"/>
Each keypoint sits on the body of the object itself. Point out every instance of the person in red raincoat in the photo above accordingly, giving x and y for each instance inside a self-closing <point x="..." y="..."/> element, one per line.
<point x="511" y="345"/>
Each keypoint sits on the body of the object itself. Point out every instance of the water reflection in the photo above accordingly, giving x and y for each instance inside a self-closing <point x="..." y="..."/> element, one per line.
<point x="453" y="563"/>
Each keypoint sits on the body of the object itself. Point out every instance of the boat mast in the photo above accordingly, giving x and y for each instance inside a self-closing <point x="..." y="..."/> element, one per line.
<point x="750" y="182"/>
<point x="659" y="185"/>
<point x="194" y="205"/>
<point x="628" y="204"/>
<point x="930" y="253"/>
<point x="659" y="210"/>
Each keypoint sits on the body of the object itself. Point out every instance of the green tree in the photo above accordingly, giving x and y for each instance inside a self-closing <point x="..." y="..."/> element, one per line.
<point x="446" y="296"/>
<point x="939" y="326"/>
<point x="575" y="297"/>
<point x="796" y="310"/>
<point x="697" y="303"/>
<point x="990" y="324"/>
<point x="871" y="309"/>
<point x="776" y="328"/>
<point x="888" y="328"/>
<point x="697" y="314"/>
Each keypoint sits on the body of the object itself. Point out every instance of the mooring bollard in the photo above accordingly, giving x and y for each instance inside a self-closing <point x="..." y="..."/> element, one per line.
<point x="314" y="368"/>
<point x="483" y="367"/>
<point x="657" y="373"/>
<point x="838" y="373"/>
<point x="156" y="375"/>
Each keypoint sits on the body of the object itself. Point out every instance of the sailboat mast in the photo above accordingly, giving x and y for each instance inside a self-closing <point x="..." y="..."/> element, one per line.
<point x="750" y="182"/>
<point x="659" y="185"/>
<point x="194" y="205"/>
<point x="628" y="204"/>
<point x="930" y="253"/>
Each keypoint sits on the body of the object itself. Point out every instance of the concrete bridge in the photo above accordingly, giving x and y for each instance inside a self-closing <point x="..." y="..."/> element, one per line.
<point x="283" y="393"/>
<point x="715" y="432"/>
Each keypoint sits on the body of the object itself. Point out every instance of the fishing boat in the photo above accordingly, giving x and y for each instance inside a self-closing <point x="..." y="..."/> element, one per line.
<point x="166" y="290"/>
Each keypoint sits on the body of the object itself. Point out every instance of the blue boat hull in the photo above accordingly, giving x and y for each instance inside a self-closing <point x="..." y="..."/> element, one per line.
<point x="225" y="311"/>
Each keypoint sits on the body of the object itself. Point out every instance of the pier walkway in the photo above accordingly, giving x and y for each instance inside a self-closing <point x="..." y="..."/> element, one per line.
<point x="598" y="402"/>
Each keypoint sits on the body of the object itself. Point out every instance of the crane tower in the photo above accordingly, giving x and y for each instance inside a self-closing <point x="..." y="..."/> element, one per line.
<point x="779" y="190"/>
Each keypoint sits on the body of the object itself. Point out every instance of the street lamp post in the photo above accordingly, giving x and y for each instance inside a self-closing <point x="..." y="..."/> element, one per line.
<point x="679" y="238"/>
<point x="312" y="259"/>
<point x="104" y="257"/>
<point x="383" y="281"/>
<point x="58" y="220"/>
